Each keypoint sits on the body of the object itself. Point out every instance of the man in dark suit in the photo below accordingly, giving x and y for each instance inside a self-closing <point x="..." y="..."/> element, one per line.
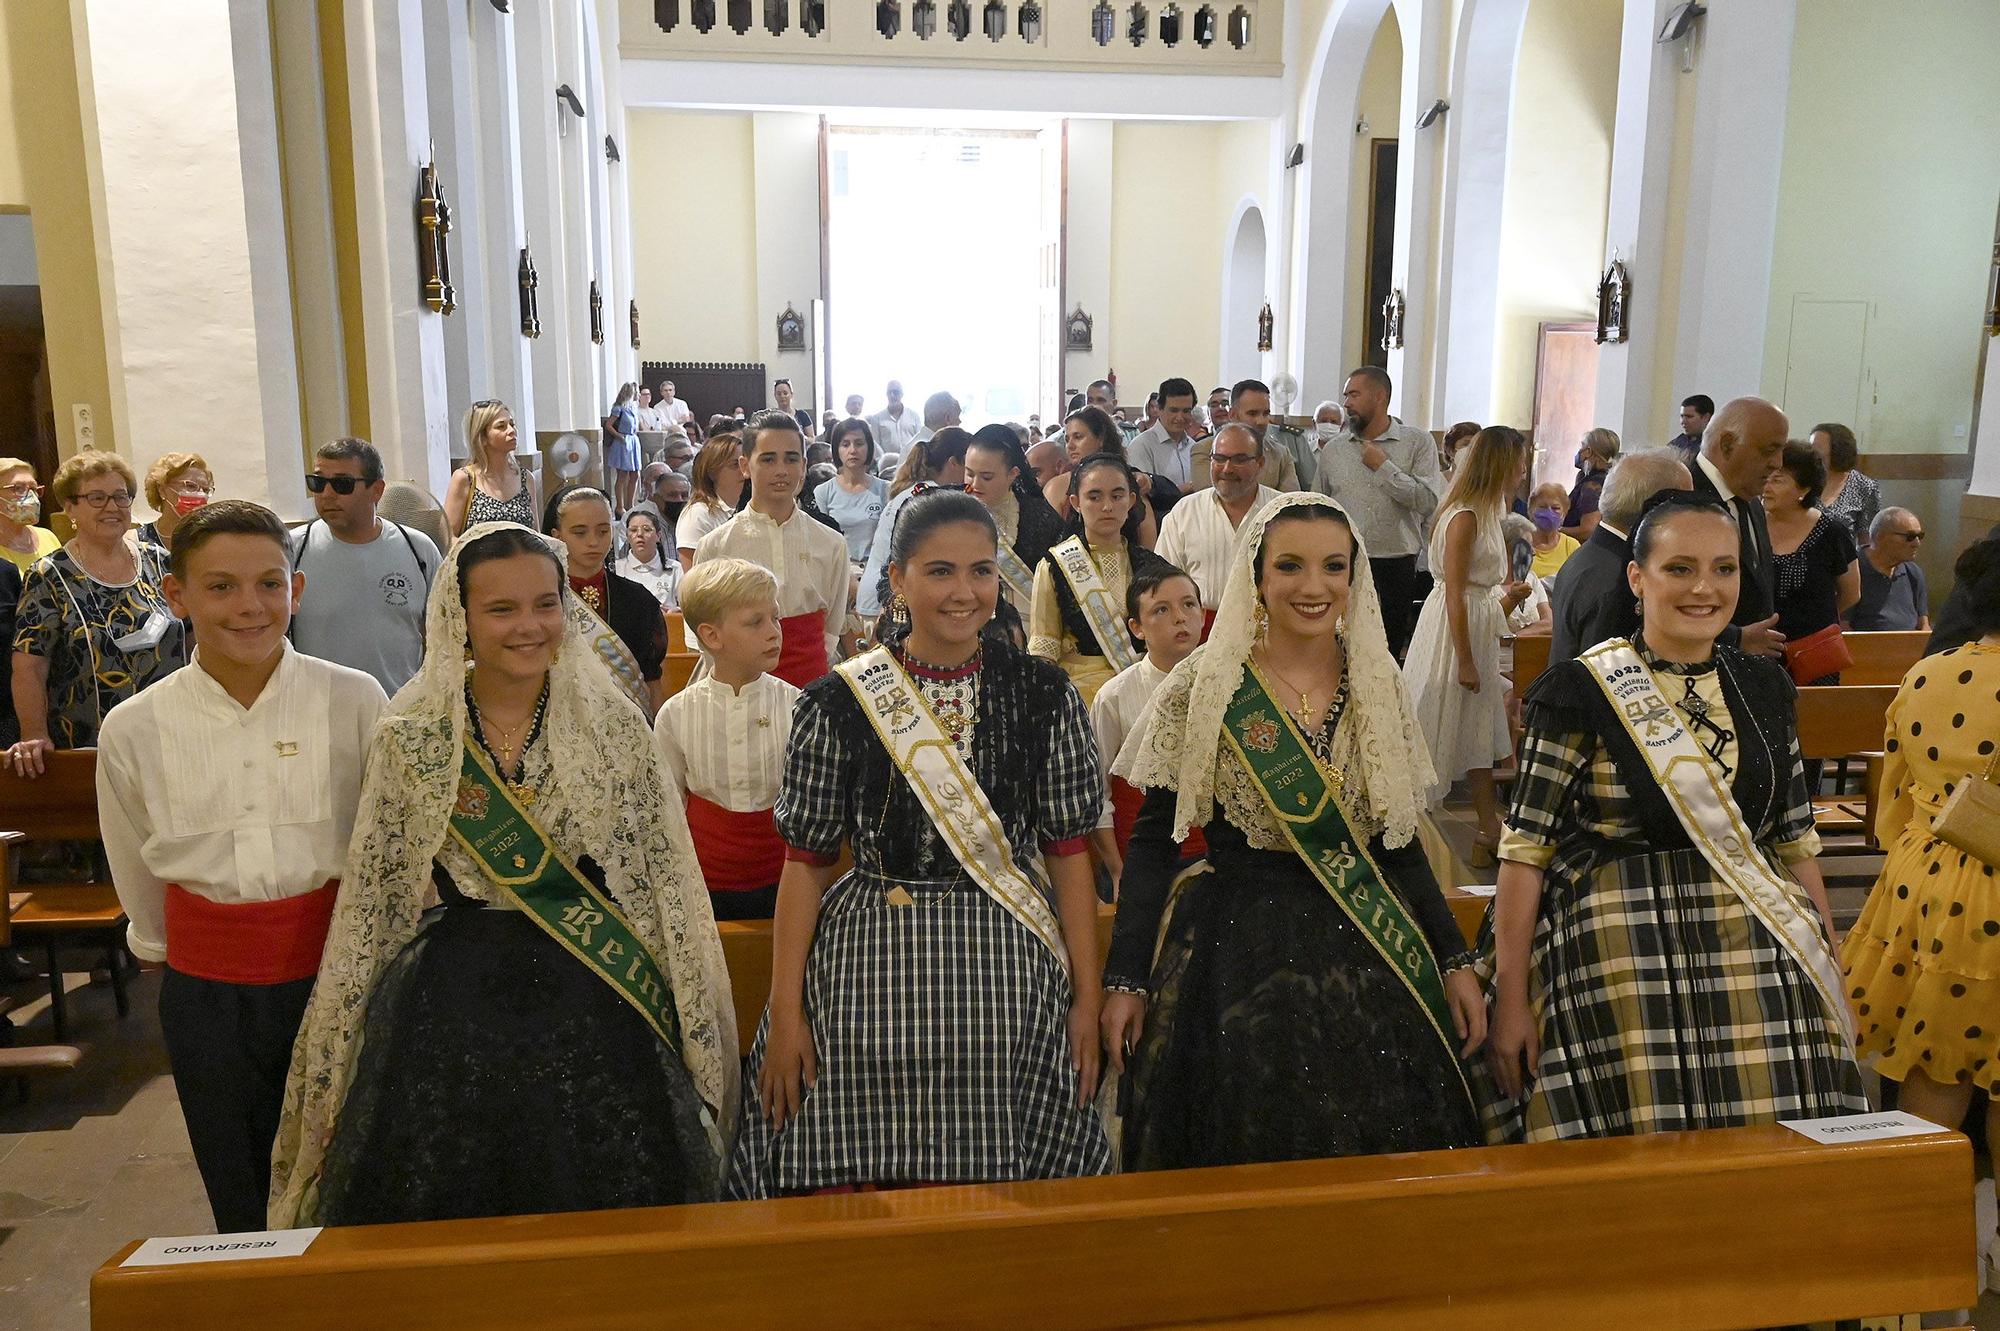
<point x="1592" y="600"/>
<point x="1740" y="450"/>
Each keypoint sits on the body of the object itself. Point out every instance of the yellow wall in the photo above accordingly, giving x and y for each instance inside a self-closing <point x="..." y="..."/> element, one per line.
<point x="1381" y="105"/>
<point x="694" y="236"/>
<point x="47" y="120"/>
<point x="13" y="191"/>
<point x="1167" y="251"/>
<point x="1558" y="187"/>
<point x="1891" y="172"/>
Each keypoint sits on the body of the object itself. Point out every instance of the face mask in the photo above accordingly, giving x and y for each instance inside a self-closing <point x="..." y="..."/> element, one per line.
<point x="186" y="504"/>
<point x="1547" y="519"/>
<point x="23" y="509"/>
<point x="1328" y="430"/>
<point x="671" y="510"/>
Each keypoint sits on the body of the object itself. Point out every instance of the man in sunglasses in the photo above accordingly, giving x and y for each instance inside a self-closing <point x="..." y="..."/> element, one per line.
<point x="367" y="578"/>
<point x="1893" y="595"/>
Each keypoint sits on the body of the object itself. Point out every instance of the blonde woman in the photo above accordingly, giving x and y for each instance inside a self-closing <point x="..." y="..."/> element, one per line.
<point x="717" y="486"/>
<point x="176" y="485"/>
<point x="21" y="541"/>
<point x="1453" y="667"/>
<point x="621" y="445"/>
<point x="491" y="486"/>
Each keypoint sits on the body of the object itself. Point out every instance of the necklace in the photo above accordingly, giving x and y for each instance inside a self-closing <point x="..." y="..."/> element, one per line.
<point x="953" y="695"/>
<point x="1305" y="709"/>
<point x="125" y="557"/>
<point x="510" y="754"/>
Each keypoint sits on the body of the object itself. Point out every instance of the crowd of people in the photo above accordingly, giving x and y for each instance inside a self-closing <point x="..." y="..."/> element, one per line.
<point x="433" y="860"/>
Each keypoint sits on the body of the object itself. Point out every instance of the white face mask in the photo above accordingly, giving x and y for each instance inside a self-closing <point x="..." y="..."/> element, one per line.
<point x="1328" y="430"/>
<point x="23" y="509"/>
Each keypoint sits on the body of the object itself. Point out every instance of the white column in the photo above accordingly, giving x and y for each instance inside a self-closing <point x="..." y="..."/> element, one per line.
<point x="1635" y="225"/>
<point x="497" y="215"/>
<point x="787" y="180"/>
<point x="543" y="216"/>
<point x="577" y="141"/>
<point x="1731" y="215"/>
<point x="1417" y="161"/>
<point x="407" y="393"/>
<point x="191" y="240"/>
<point x="1477" y="133"/>
<point x="602" y="26"/>
<point x="452" y="109"/>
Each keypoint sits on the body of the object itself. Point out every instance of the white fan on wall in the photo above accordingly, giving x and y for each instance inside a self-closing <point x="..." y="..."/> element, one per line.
<point x="570" y="456"/>
<point x="1284" y="389"/>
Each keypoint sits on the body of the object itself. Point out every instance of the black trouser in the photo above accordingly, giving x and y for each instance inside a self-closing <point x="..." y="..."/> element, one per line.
<point x="757" y="903"/>
<point x="1396" y="588"/>
<point x="230" y="1046"/>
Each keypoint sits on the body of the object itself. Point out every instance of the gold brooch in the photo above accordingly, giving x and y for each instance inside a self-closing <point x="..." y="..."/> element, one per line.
<point x="286" y="748"/>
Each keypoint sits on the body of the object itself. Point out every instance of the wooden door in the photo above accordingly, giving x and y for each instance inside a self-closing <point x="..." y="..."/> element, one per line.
<point x="1565" y="397"/>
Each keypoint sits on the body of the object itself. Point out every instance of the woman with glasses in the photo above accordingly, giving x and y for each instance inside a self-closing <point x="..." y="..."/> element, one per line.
<point x="176" y="485"/>
<point x="92" y="627"/>
<point x="491" y="486"/>
<point x="21" y="541"/>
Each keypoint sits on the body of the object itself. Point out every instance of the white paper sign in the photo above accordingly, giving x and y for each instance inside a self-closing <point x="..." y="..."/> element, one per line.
<point x="222" y="1247"/>
<point x="1862" y="1127"/>
<point x="1479" y="889"/>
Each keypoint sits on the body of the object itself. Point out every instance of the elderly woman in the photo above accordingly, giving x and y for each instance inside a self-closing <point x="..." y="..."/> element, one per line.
<point x="21" y="541"/>
<point x="92" y="627"/>
<point x="1851" y="497"/>
<point x="176" y="485"/>
<point x="1817" y="567"/>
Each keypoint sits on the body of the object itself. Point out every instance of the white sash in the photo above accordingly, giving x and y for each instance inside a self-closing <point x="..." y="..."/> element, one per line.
<point x="1698" y="789"/>
<point x="1107" y="621"/>
<point x="1020" y="579"/>
<point x="948" y="791"/>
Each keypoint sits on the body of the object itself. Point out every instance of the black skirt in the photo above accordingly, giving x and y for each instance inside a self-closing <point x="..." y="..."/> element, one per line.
<point x="1275" y="1030"/>
<point x="499" y="1076"/>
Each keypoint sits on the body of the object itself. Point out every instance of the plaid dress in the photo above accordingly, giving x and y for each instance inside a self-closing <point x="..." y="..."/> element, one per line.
<point x="941" y="1027"/>
<point x="1663" y="1002"/>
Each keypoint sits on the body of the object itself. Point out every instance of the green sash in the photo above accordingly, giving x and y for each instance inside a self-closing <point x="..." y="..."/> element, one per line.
<point x="1305" y="799"/>
<point x="492" y="824"/>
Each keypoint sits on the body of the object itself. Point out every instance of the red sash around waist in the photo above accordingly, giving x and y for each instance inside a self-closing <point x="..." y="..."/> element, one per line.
<point x="739" y="852"/>
<point x="1125" y="801"/>
<point x="248" y="942"/>
<point x="803" y="658"/>
<point x="1207" y="624"/>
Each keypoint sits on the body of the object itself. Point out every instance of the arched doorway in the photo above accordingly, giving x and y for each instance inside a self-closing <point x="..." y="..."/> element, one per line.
<point x="1243" y="296"/>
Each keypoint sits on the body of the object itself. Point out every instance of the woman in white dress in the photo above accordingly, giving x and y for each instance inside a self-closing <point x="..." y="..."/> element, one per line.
<point x="1453" y="666"/>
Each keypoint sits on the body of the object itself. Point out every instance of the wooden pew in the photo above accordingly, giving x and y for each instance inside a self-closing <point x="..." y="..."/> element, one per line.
<point x="1843" y="721"/>
<point x="1730" y="1228"/>
<point x="746" y="946"/>
<point x="59" y="805"/>
<point x="1531" y="658"/>
<point x="1879" y="658"/>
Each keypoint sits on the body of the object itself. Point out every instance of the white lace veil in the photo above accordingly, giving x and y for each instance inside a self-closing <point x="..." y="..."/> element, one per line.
<point x="607" y="800"/>
<point x="1377" y="742"/>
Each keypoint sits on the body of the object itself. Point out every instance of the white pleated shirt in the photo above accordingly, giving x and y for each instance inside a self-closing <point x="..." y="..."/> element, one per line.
<point x="725" y="745"/>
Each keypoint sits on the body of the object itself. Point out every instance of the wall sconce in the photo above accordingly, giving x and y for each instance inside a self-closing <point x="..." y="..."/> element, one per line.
<point x="566" y="98"/>
<point x="1433" y="113"/>
<point x="634" y="312"/>
<point x="1392" y="320"/>
<point x="433" y="225"/>
<point x="1614" y="290"/>
<point x="531" y="318"/>
<point x="611" y="153"/>
<point x="596" y="313"/>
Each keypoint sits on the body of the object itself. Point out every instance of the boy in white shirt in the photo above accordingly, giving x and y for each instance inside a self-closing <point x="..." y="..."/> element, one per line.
<point x="1163" y="609"/>
<point x="226" y="795"/>
<point x="722" y="738"/>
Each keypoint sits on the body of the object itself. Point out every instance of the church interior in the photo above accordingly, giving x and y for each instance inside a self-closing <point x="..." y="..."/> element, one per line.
<point x="245" y="228"/>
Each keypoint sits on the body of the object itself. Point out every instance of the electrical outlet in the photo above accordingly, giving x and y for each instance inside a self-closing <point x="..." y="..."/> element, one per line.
<point x="84" y="422"/>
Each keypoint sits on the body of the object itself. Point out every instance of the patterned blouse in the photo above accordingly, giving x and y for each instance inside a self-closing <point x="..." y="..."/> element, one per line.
<point x="1859" y="500"/>
<point x="103" y="643"/>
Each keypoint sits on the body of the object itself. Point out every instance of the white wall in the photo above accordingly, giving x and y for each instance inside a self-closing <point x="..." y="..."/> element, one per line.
<point x="1887" y="200"/>
<point x="694" y="234"/>
<point x="1166" y="255"/>
<point x="1087" y="245"/>
<point x="1380" y="103"/>
<point x="1558" y="185"/>
<point x="786" y="147"/>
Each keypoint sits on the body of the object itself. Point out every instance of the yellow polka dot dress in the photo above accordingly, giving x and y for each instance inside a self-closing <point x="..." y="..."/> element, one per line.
<point x="1923" y="962"/>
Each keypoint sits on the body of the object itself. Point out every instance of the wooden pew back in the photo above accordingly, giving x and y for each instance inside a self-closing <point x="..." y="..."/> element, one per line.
<point x="59" y="805"/>
<point x="1619" y="1232"/>
<point x="1531" y="658"/>
<point x="1882" y="658"/>
<point x="1843" y="720"/>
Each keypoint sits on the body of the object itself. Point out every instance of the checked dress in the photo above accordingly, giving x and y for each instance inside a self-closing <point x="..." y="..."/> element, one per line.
<point x="1662" y="1001"/>
<point x="938" y="1019"/>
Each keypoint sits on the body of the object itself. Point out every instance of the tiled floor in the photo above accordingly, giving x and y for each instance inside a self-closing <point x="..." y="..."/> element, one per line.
<point x="100" y="1156"/>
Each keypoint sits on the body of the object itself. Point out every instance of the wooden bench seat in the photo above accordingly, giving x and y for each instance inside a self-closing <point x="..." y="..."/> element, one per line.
<point x="1879" y="658"/>
<point x="1730" y="1228"/>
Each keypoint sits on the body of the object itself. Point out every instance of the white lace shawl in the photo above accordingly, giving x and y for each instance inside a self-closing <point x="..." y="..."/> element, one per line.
<point x="606" y="799"/>
<point x="1179" y="746"/>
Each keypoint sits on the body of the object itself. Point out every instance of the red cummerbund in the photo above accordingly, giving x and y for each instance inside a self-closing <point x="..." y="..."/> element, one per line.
<point x="803" y="657"/>
<point x="738" y="852"/>
<point x="1207" y="624"/>
<point x="249" y="942"/>
<point x="1125" y="801"/>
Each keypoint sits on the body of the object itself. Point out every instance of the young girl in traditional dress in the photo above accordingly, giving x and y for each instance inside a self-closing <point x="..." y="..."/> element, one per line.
<point x="1648" y="976"/>
<point x="1078" y="615"/>
<point x="1312" y="995"/>
<point x="522" y="1006"/>
<point x="1453" y="665"/>
<point x="933" y="1013"/>
<point x="635" y="649"/>
<point x="997" y="475"/>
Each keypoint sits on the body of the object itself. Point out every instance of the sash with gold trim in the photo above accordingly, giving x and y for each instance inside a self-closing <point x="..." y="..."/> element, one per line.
<point x="1015" y="573"/>
<point x="1698" y="789"/>
<point x="946" y="788"/>
<point x="491" y="822"/>
<point x="1305" y="799"/>
<point x="1107" y="621"/>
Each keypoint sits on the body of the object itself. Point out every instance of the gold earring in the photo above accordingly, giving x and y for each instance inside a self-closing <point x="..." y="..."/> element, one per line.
<point x="899" y="609"/>
<point x="1262" y="618"/>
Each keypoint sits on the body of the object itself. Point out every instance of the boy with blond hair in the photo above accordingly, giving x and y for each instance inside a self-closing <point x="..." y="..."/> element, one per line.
<point x="722" y="738"/>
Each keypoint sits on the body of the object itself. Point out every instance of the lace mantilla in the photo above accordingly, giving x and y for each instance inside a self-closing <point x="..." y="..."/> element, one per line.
<point x="602" y="795"/>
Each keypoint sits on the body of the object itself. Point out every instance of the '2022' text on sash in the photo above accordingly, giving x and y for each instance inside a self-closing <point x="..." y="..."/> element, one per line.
<point x="1107" y="621"/>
